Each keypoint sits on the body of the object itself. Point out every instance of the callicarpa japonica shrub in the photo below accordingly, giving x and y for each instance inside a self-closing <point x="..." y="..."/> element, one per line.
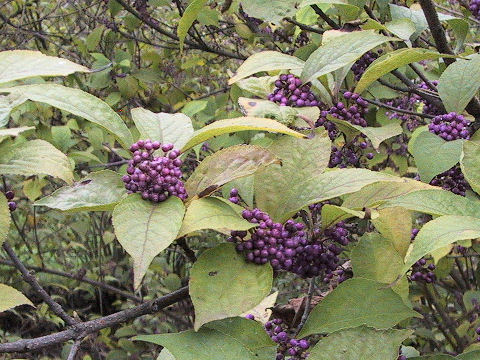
<point x="241" y="180"/>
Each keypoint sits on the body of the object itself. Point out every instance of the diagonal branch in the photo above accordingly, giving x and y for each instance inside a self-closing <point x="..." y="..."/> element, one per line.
<point x="154" y="25"/>
<point x="441" y="43"/>
<point x="81" y="330"/>
<point x="325" y="17"/>
<point x="32" y="281"/>
<point x="81" y="278"/>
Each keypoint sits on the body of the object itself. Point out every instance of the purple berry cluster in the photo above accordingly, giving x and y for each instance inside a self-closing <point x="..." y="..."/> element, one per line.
<point x="450" y="126"/>
<point x="411" y="103"/>
<point x="349" y="155"/>
<point x="287" y="247"/>
<point x="422" y="272"/>
<point x="154" y="177"/>
<point x="364" y="62"/>
<point x="289" y="90"/>
<point x="411" y="122"/>
<point x="474" y="7"/>
<point x="287" y="345"/>
<point x="428" y="108"/>
<point x="354" y="113"/>
<point x="9" y="194"/>
<point x="452" y="180"/>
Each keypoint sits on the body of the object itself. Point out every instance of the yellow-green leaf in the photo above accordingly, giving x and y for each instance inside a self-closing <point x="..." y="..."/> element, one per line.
<point x="226" y="126"/>
<point x="144" y="229"/>
<point x="226" y="165"/>
<point x="10" y="297"/>
<point x="36" y="157"/>
<point x="266" y="61"/>
<point x="223" y="284"/>
<point x="22" y="64"/>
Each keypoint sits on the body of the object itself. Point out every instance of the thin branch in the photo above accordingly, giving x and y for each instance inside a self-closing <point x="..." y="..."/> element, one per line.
<point x="152" y="23"/>
<point x="308" y="304"/>
<point x="442" y="46"/>
<point x="383" y="105"/>
<point x="325" y="17"/>
<point x="188" y="252"/>
<point x="74" y="349"/>
<point x="448" y="322"/>
<point x="305" y="27"/>
<point x="81" y="330"/>
<point x="32" y="281"/>
<point x="436" y="29"/>
<point x="422" y="76"/>
<point x="79" y="277"/>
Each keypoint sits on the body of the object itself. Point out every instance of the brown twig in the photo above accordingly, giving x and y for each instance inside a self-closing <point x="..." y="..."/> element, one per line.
<point x="32" y="281"/>
<point x="81" y="330"/>
<point x="325" y="17"/>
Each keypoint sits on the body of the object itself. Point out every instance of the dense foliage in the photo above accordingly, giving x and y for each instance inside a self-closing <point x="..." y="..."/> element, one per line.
<point x="246" y="179"/>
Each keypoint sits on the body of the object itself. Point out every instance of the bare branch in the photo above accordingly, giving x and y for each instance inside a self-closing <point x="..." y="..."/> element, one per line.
<point x="32" y="281"/>
<point x="81" y="330"/>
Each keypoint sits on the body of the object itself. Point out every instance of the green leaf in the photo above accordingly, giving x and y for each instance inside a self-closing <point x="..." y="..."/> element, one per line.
<point x="300" y="192"/>
<point x="208" y="17"/>
<point x="470" y="164"/>
<point x="144" y="229"/>
<point x="13" y="131"/>
<point x="258" y="86"/>
<point x="395" y="224"/>
<point x="7" y="104"/>
<point x="93" y="39"/>
<point x="32" y="188"/>
<point x="416" y="16"/>
<point x="266" y="61"/>
<point x="459" y="83"/>
<point x="283" y="114"/>
<point x="226" y="126"/>
<point x="99" y="191"/>
<point x="10" y="297"/>
<point x="4" y="218"/>
<point x="189" y="16"/>
<point x="301" y="159"/>
<point x="227" y="165"/>
<point x="35" y="157"/>
<point x="254" y="337"/>
<point x="341" y="51"/>
<point x="78" y="103"/>
<point x="263" y="311"/>
<point x="376" y="258"/>
<point x="436" y="202"/>
<point x="332" y="214"/>
<point x="165" y="355"/>
<point x="357" y="302"/>
<point x="391" y="61"/>
<point x="376" y="135"/>
<point x="194" y="107"/>
<point x="447" y="154"/>
<point x="210" y="344"/>
<point x="213" y="213"/>
<point x="271" y="10"/>
<point x="470" y="355"/>
<point x="167" y="128"/>
<point x="360" y="344"/>
<point x="378" y="192"/>
<point x="223" y="284"/>
<point x="22" y="64"/>
<point x="439" y="233"/>
<point x="402" y="28"/>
